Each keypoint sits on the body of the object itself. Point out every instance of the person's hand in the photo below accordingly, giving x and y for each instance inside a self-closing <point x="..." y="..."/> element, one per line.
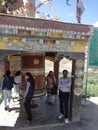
<point x="23" y="100"/>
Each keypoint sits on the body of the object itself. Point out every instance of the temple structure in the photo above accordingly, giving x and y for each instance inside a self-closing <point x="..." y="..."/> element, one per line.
<point x="25" y="43"/>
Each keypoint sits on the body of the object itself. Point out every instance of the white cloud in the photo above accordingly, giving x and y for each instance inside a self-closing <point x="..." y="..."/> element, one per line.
<point x="70" y="15"/>
<point x="95" y="24"/>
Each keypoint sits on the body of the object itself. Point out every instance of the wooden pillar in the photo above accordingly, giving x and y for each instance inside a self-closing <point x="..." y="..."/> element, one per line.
<point x="6" y="65"/>
<point x="72" y="88"/>
<point x="15" y="64"/>
<point x="56" y="70"/>
<point x="76" y="89"/>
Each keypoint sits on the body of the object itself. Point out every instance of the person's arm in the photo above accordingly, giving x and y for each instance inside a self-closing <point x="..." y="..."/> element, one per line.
<point x="2" y="84"/>
<point x="60" y="83"/>
<point x="68" y="84"/>
<point x="54" y="80"/>
<point x="27" y="89"/>
<point x="63" y="85"/>
<point x="46" y="79"/>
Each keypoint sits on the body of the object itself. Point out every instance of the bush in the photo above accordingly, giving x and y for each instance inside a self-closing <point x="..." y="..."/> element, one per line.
<point x="92" y="85"/>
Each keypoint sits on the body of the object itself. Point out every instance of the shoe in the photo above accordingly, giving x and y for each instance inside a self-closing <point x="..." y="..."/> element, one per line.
<point x="61" y="116"/>
<point x="13" y="99"/>
<point x="29" y="120"/>
<point x="66" y="121"/>
<point x="5" y="108"/>
<point x="8" y="109"/>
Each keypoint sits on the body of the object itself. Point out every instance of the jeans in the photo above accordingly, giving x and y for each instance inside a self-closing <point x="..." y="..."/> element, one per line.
<point x="7" y="97"/>
<point x="27" y="105"/>
<point x="64" y="102"/>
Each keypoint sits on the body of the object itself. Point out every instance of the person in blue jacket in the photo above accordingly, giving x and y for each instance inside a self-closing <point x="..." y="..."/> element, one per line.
<point x="30" y="86"/>
<point x="7" y="84"/>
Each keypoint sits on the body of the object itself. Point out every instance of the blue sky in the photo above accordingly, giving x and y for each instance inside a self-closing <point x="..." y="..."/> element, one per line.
<point x="68" y="13"/>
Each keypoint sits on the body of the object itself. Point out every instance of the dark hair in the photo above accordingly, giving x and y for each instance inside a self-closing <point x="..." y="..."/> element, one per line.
<point x="65" y="71"/>
<point x="17" y="73"/>
<point x="30" y="79"/>
<point x="29" y="75"/>
<point x="7" y="73"/>
<point x="50" y="72"/>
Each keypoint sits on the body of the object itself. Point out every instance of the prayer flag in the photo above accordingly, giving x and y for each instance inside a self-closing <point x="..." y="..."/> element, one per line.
<point x="80" y="9"/>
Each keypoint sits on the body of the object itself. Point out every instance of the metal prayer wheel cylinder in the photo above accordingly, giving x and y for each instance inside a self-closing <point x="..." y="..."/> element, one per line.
<point x="35" y="64"/>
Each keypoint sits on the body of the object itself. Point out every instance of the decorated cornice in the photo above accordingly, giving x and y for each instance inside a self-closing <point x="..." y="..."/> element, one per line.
<point x="39" y="35"/>
<point x="40" y="28"/>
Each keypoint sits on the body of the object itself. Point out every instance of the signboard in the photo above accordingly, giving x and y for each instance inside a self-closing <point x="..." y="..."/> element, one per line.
<point x="93" y="50"/>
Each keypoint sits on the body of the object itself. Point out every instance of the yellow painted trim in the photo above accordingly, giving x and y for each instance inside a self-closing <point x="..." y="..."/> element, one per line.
<point x="12" y="58"/>
<point x="14" y="39"/>
<point x="3" y="45"/>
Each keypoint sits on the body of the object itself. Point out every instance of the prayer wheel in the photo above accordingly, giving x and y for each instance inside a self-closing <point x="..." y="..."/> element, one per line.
<point x="35" y="64"/>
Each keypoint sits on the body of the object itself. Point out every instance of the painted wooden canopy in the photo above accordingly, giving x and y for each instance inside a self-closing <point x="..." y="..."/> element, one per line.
<point x="39" y="35"/>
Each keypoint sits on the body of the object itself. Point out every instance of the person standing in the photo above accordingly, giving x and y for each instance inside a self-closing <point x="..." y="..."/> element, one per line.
<point x="7" y="85"/>
<point x="50" y="82"/>
<point x="30" y="86"/>
<point x="64" y="94"/>
<point x="17" y="85"/>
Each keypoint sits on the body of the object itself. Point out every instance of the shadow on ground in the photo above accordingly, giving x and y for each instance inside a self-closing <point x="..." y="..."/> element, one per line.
<point x="47" y="115"/>
<point x="42" y="115"/>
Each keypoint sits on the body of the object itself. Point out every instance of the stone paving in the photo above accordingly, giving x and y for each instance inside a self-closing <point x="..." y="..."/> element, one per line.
<point x="46" y="117"/>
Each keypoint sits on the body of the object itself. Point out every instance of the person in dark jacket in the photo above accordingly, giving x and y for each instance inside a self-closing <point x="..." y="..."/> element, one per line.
<point x="30" y="86"/>
<point x="7" y="84"/>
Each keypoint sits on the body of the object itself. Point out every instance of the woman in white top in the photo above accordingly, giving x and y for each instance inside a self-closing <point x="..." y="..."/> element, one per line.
<point x="17" y="84"/>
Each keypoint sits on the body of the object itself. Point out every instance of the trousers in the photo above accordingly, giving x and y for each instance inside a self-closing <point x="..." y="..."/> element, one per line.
<point x="64" y="103"/>
<point x="27" y="105"/>
<point x="7" y="97"/>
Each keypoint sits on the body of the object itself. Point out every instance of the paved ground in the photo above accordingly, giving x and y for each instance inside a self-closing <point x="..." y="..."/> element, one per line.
<point x="45" y="117"/>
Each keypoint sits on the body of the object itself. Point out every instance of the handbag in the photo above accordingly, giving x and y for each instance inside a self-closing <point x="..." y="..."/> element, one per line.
<point x="51" y="99"/>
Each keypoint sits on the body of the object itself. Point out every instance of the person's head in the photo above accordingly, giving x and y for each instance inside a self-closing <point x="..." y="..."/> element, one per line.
<point x="51" y="73"/>
<point x="29" y="78"/>
<point x="7" y="73"/>
<point x="18" y="73"/>
<point x="65" y="73"/>
<point x="28" y="75"/>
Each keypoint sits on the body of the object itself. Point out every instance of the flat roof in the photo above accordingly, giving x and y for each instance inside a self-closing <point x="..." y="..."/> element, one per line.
<point x="43" y="23"/>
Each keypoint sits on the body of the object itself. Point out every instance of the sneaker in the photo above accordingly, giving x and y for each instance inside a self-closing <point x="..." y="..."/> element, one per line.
<point x="61" y="116"/>
<point x="8" y="109"/>
<point x="5" y="108"/>
<point x="66" y="121"/>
